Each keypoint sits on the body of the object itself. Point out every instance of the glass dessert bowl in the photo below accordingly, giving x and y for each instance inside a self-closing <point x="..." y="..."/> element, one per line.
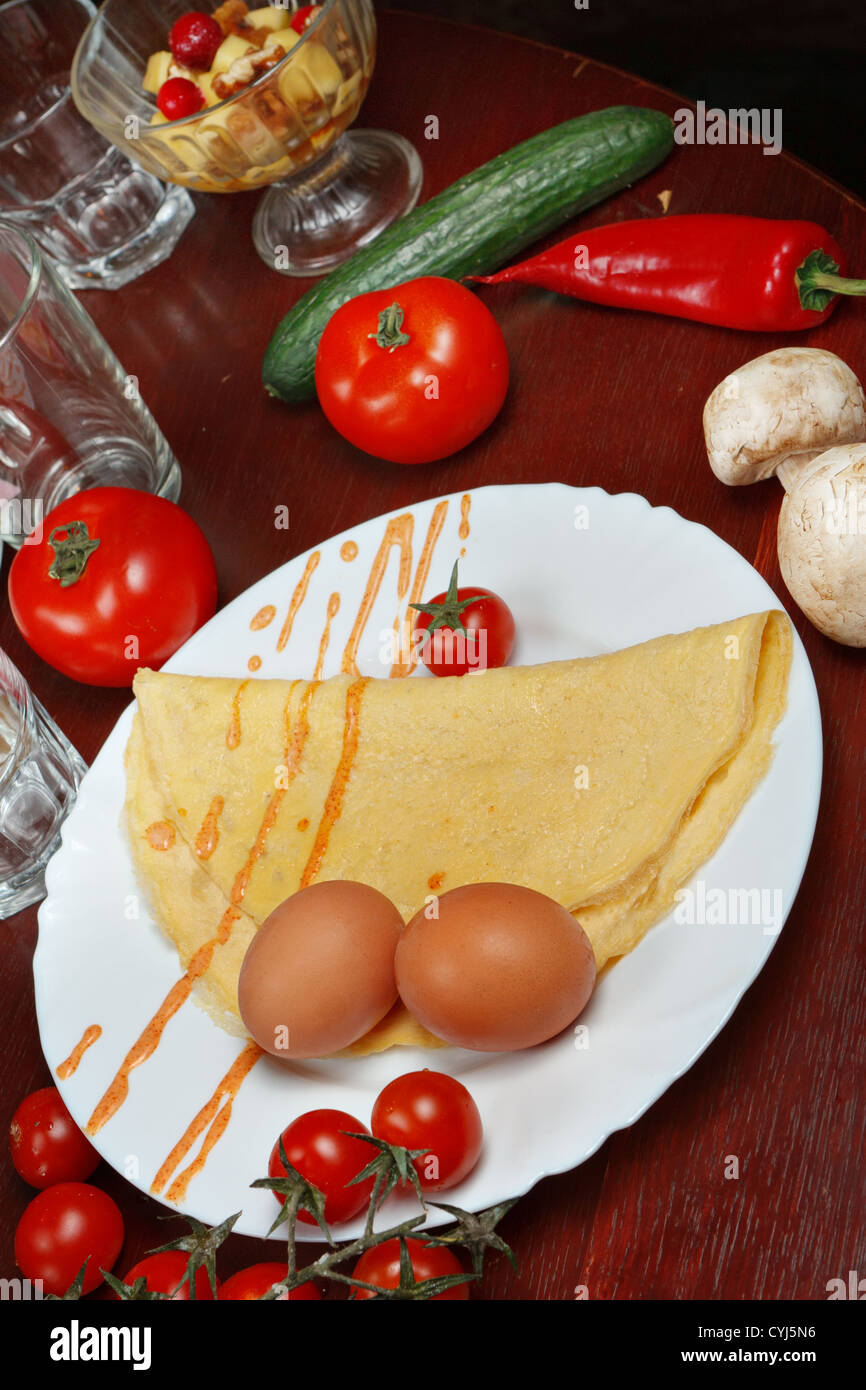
<point x="278" y="105"/>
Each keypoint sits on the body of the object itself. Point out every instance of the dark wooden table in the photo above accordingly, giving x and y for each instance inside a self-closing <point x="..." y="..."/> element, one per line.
<point x="597" y="397"/>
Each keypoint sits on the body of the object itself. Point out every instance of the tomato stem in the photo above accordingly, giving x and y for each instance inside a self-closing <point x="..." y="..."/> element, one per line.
<point x="390" y="333"/>
<point x="71" y="553"/>
<point x="449" y="613"/>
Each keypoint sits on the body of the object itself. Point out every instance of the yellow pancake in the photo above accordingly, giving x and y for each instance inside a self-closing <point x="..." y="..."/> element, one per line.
<point x="604" y="782"/>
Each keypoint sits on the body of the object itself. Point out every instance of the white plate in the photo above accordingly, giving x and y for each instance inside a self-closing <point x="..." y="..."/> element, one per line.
<point x="579" y="582"/>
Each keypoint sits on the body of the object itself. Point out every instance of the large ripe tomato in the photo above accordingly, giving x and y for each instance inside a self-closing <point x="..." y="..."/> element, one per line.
<point x="432" y="1111"/>
<point x="317" y="1144"/>
<point x="138" y="595"/>
<point x="414" y="373"/>
<point x="381" y="1266"/>
<point x="256" y="1280"/>
<point x="468" y="630"/>
<point x="46" y="1144"/>
<point x="166" y="1273"/>
<point x="61" y="1228"/>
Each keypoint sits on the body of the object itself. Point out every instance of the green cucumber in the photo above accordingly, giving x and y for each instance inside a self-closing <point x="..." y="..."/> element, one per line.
<point x="478" y="223"/>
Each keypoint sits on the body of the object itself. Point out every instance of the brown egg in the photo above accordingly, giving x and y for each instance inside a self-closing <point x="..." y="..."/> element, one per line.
<point x="319" y="972"/>
<point x="501" y="967"/>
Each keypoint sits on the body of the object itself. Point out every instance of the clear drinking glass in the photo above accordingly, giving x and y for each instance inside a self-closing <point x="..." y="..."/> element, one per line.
<point x="102" y="220"/>
<point x="39" y="776"/>
<point x="332" y="193"/>
<point x="70" y="417"/>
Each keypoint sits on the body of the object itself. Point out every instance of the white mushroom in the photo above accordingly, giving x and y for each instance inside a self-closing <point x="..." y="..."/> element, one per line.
<point x="822" y="543"/>
<point x="779" y="411"/>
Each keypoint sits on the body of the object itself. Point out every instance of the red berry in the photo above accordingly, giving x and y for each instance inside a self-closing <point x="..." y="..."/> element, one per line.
<point x="194" y="39"/>
<point x="303" y="18"/>
<point x="178" y="97"/>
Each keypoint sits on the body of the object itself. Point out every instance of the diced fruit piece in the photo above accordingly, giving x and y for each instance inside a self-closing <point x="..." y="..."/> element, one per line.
<point x="232" y="48"/>
<point x="178" y="97"/>
<point x="156" y="71"/>
<point x="311" y="75"/>
<point x="194" y="39"/>
<point x="205" y="81"/>
<point x="304" y="17"/>
<point x="269" y="17"/>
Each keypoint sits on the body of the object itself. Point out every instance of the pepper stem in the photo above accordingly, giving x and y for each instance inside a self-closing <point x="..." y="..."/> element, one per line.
<point x="71" y="553"/>
<point x="818" y="280"/>
<point x="390" y="333"/>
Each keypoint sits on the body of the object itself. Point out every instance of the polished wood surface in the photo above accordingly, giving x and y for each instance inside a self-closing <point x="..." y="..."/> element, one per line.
<point x="598" y="397"/>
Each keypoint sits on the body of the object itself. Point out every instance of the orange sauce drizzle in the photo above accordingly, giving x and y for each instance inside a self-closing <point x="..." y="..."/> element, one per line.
<point x="434" y="531"/>
<point x="254" y="663"/>
<point x="303" y="823"/>
<point x="233" y="736"/>
<point x="87" y="1040"/>
<point x="337" y="789"/>
<point x="465" y="504"/>
<point x="297" y="599"/>
<point x="148" y="1041"/>
<point x="397" y="532"/>
<point x="263" y="617"/>
<point x="213" y="1117"/>
<point x="161" y="834"/>
<point x="208" y="836"/>
<point x="349" y="551"/>
<point x="435" y="881"/>
<point x="333" y="610"/>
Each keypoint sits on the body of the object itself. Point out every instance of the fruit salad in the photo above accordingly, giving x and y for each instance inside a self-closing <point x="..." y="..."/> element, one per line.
<point x="251" y="131"/>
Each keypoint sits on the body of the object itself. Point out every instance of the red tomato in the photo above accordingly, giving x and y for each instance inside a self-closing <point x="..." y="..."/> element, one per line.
<point x="166" y="1272"/>
<point x="487" y="639"/>
<point x="257" y="1279"/>
<point x="429" y="1110"/>
<point x="147" y="586"/>
<point x="414" y="373"/>
<point x="381" y="1266"/>
<point x="62" y="1227"/>
<point x="316" y="1144"/>
<point x="46" y="1144"/>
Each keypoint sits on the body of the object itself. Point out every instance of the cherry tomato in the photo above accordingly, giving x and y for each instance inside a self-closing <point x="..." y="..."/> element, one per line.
<point x="255" y="1281"/>
<point x="61" y="1228"/>
<point x="46" y="1144"/>
<point x="316" y="1144"/>
<point x="412" y="373"/>
<point x="146" y="587"/>
<point x="194" y="39"/>
<point x="178" y="98"/>
<point x="381" y="1266"/>
<point x="166" y="1273"/>
<point x="469" y="630"/>
<point x="303" y="18"/>
<point x="429" y="1110"/>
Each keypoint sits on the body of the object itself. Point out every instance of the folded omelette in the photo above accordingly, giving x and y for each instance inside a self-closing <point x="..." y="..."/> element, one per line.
<point x="603" y="782"/>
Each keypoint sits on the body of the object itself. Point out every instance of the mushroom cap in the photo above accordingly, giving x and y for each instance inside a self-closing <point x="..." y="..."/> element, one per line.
<point x="822" y="544"/>
<point x="788" y="406"/>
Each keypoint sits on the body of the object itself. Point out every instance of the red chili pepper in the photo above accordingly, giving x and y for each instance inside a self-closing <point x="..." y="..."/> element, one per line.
<point x="757" y="273"/>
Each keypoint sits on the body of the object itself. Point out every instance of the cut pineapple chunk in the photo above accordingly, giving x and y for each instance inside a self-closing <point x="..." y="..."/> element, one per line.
<point x="311" y="76"/>
<point x="229" y="51"/>
<point x="157" y="71"/>
<point x="205" y="81"/>
<point x="270" y="17"/>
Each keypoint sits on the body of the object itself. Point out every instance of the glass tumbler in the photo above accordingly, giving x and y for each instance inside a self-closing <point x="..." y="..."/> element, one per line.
<point x="70" y="417"/>
<point x="40" y="772"/>
<point x="102" y="219"/>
